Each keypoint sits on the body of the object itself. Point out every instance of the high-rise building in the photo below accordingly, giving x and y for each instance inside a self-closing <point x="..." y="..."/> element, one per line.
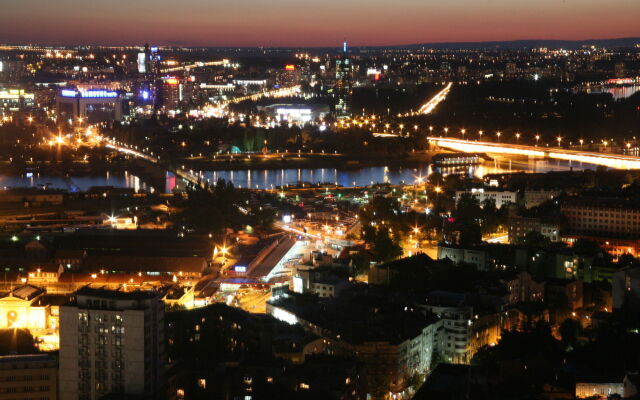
<point x="176" y="92"/>
<point x="344" y="87"/>
<point x="619" y="70"/>
<point x="111" y="341"/>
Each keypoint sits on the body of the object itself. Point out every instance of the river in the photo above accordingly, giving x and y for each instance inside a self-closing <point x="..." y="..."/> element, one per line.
<point x="271" y="178"/>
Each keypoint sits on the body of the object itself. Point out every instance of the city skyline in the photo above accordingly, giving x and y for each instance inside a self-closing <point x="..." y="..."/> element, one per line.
<point x="286" y="24"/>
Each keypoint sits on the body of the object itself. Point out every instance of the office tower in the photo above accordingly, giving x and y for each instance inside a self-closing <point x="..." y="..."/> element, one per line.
<point x="111" y="341"/>
<point x="149" y="61"/>
<point x="343" y="87"/>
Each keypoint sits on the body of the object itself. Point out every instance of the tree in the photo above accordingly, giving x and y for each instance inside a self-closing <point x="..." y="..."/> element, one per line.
<point x="211" y="209"/>
<point x="588" y="248"/>
<point x="16" y="341"/>
<point x="569" y="329"/>
<point x="534" y="239"/>
<point x="467" y="209"/>
<point x="385" y="247"/>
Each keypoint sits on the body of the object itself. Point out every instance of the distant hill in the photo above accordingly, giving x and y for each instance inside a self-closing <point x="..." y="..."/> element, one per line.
<point x="516" y="44"/>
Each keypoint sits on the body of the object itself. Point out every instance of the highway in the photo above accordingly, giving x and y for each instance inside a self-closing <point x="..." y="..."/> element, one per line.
<point x="430" y="105"/>
<point x="433" y="102"/>
<point x="617" y="161"/>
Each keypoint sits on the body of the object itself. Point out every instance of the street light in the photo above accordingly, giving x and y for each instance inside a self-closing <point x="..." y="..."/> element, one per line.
<point x="498" y="134"/>
<point x="517" y="138"/>
<point x="537" y="139"/>
<point x="463" y="131"/>
<point x="480" y="134"/>
<point x="559" y="141"/>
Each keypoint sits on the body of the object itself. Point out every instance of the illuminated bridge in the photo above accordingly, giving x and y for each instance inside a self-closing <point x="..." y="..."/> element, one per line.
<point x="618" y="161"/>
<point x="187" y="176"/>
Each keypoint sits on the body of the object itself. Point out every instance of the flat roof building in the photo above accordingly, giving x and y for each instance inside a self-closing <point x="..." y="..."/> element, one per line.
<point x="111" y="341"/>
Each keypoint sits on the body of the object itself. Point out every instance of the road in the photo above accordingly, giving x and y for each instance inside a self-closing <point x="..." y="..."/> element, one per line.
<point x="617" y="161"/>
<point x="430" y="105"/>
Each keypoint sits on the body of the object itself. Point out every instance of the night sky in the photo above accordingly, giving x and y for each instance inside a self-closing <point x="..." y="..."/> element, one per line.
<point x="311" y="23"/>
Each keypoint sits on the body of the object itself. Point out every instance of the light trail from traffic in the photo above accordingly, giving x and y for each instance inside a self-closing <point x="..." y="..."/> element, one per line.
<point x="617" y="161"/>
<point x="178" y="171"/>
<point x="430" y="105"/>
<point x="198" y="64"/>
<point x="280" y="92"/>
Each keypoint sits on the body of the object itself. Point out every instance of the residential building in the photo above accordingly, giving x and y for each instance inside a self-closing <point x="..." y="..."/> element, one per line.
<point x="612" y="222"/>
<point x="522" y="287"/>
<point x="470" y="321"/>
<point x="626" y="289"/>
<point x="397" y="343"/>
<point x="28" y="377"/>
<point x="111" y="341"/>
<point x="519" y="225"/>
<point x="500" y="197"/>
<point x="474" y="256"/>
<point x="564" y="293"/>
<point x="323" y="281"/>
<point x="533" y="198"/>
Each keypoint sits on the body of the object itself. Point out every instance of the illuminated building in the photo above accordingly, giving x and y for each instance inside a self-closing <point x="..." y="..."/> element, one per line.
<point x="29" y="376"/>
<point x="468" y="324"/>
<point x="148" y="61"/>
<point x="501" y="198"/>
<point x="111" y="341"/>
<point x="20" y="309"/>
<point x="598" y="390"/>
<point x="613" y="223"/>
<point x="343" y="88"/>
<point x="16" y="100"/>
<point x="296" y="112"/>
<point x="30" y="307"/>
<point x="288" y="76"/>
<point x="90" y="105"/>
<point x="12" y="70"/>
<point x="619" y="70"/>
<point x="175" y="92"/>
